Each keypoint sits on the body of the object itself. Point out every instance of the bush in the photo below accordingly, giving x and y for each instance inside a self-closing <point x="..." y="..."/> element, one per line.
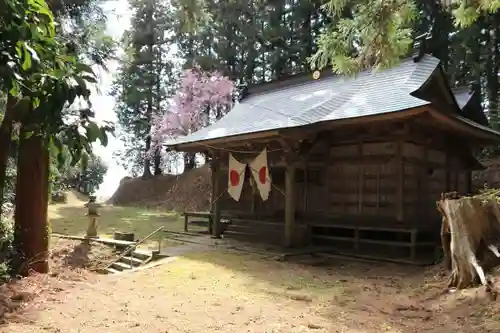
<point x="6" y="239"/>
<point x="6" y="234"/>
<point x="4" y="272"/>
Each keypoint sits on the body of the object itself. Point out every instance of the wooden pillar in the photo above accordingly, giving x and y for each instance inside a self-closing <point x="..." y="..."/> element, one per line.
<point x="305" y="186"/>
<point x="289" y="203"/>
<point x="413" y="248"/>
<point x="425" y="185"/>
<point x="361" y="178"/>
<point x="379" y="166"/>
<point x="400" y="182"/>
<point x="216" y="193"/>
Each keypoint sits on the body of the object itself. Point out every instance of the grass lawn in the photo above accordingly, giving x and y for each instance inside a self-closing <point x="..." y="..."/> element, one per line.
<point x="70" y="219"/>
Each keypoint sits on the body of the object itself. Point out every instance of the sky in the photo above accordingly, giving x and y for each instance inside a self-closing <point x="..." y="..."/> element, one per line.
<point x="118" y="14"/>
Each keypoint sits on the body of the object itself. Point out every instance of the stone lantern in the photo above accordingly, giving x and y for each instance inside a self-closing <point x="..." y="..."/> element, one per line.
<point x="93" y="215"/>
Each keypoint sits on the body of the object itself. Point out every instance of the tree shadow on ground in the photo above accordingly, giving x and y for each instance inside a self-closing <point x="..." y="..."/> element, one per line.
<point x="400" y="297"/>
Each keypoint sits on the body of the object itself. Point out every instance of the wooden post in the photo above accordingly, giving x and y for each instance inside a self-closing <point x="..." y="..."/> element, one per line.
<point x="401" y="179"/>
<point x="186" y="218"/>
<point x="378" y="188"/>
<point x="216" y="227"/>
<point x="425" y="185"/>
<point x="361" y="178"/>
<point x="413" y="248"/>
<point x="305" y="186"/>
<point x="289" y="203"/>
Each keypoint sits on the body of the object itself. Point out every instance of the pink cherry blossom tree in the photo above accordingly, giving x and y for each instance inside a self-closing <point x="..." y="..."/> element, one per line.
<point x="202" y="98"/>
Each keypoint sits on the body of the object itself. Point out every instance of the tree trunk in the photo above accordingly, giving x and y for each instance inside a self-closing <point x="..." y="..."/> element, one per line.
<point x="157" y="162"/>
<point x="31" y="234"/>
<point x="189" y="161"/>
<point x="445" y="242"/>
<point x="474" y="224"/>
<point x="150" y="37"/>
<point x="147" y="161"/>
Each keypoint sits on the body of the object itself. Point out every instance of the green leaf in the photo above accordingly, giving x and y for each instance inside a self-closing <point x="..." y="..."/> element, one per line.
<point x="15" y="90"/>
<point x="32" y="52"/>
<point x="89" y="78"/>
<point x="54" y="151"/>
<point x="93" y="131"/>
<point x="57" y="143"/>
<point x="84" y="161"/>
<point x="28" y="135"/>
<point x="36" y="102"/>
<point x="27" y="59"/>
<point x="61" y="160"/>
<point x="103" y="137"/>
<point x="75" y="156"/>
<point x="81" y="83"/>
<point x="79" y="67"/>
<point x="71" y="95"/>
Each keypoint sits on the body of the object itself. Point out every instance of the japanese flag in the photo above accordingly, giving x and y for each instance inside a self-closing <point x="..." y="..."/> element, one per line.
<point x="236" y="177"/>
<point x="260" y="173"/>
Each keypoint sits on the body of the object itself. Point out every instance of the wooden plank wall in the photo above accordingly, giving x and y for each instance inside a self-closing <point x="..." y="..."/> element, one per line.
<point x="361" y="179"/>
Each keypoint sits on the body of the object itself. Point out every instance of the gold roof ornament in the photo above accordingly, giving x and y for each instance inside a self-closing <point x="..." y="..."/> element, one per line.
<point x="316" y="75"/>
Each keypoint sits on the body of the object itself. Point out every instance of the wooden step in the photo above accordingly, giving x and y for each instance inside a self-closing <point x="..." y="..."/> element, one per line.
<point x="111" y="270"/>
<point x="132" y="261"/>
<point x="141" y="254"/>
<point x="120" y="266"/>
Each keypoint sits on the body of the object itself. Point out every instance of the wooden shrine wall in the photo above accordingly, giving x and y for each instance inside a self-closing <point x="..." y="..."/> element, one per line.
<point x="396" y="179"/>
<point x="361" y="179"/>
<point x="390" y="179"/>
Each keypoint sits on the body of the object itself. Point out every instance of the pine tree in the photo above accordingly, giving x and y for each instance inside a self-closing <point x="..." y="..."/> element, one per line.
<point x="145" y="80"/>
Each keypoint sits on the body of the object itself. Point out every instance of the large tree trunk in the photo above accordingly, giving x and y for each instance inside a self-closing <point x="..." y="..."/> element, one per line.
<point x="189" y="161"/>
<point x="147" y="161"/>
<point x="150" y="37"/>
<point x="474" y="229"/>
<point x="31" y="235"/>
<point x="157" y="162"/>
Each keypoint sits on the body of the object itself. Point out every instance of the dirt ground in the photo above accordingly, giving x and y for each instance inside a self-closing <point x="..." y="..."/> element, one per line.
<point x="217" y="290"/>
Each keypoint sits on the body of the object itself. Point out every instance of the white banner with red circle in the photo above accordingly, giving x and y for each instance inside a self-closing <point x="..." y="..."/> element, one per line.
<point x="260" y="173"/>
<point x="236" y="177"/>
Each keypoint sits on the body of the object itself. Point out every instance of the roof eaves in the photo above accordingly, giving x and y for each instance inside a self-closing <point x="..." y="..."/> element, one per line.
<point x="472" y="127"/>
<point x="207" y="143"/>
<point x="478" y="126"/>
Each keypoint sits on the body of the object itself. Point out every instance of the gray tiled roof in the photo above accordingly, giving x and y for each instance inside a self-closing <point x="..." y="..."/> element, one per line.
<point x="327" y="99"/>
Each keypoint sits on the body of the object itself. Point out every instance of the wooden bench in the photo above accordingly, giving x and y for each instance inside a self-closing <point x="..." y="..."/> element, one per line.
<point x="225" y="219"/>
<point x="203" y="215"/>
